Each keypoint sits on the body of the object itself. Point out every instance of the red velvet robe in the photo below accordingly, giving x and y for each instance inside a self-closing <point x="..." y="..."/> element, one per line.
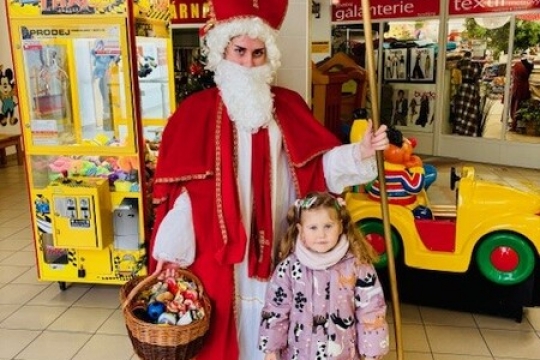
<point x="187" y="159"/>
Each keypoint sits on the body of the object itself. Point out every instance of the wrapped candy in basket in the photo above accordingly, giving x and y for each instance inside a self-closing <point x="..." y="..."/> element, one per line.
<point x="167" y="315"/>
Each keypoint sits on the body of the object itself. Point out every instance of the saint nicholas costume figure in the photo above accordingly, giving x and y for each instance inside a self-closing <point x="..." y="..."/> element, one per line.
<point x="232" y="160"/>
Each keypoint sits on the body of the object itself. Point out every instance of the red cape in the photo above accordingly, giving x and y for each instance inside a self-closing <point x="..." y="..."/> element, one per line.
<point x="187" y="160"/>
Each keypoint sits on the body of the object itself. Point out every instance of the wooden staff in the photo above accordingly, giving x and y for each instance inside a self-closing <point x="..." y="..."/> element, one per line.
<point x="372" y="81"/>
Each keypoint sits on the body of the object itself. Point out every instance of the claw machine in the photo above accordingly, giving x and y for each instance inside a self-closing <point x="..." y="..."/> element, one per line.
<point x="95" y="91"/>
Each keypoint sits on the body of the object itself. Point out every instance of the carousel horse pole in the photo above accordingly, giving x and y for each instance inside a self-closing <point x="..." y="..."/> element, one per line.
<point x="372" y="81"/>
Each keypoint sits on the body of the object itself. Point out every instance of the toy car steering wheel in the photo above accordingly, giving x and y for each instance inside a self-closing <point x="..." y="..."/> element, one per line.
<point x="454" y="177"/>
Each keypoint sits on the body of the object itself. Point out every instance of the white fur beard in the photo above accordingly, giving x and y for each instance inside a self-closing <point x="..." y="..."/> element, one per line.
<point x="246" y="94"/>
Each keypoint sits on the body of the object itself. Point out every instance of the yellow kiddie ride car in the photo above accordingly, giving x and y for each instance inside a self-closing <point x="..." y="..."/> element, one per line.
<point x="495" y="226"/>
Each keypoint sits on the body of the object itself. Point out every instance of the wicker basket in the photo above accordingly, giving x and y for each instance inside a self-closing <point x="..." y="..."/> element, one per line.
<point x="163" y="342"/>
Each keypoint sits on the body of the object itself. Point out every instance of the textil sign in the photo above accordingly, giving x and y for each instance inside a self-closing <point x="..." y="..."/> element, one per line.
<point x="349" y="10"/>
<point x="464" y="7"/>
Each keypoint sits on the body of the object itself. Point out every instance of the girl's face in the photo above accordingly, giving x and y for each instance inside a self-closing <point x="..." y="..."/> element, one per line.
<point x="319" y="229"/>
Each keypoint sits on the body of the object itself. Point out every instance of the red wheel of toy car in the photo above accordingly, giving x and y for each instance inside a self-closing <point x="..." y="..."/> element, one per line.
<point x="373" y="230"/>
<point x="377" y="241"/>
<point x="505" y="258"/>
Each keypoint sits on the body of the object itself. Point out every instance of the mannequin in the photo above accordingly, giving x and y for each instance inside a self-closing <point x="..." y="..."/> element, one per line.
<point x="520" y="92"/>
<point x="466" y="102"/>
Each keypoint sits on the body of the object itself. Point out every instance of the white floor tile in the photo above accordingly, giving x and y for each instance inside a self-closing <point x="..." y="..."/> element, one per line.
<point x="22" y="258"/>
<point x="517" y="344"/>
<point x="32" y="317"/>
<point x="12" y="245"/>
<point x="55" y="345"/>
<point x="79" y="319"/>
<point x="456" y="340"/>
<point x="106" y="347"/>
<point x="101" y="296"/>
<point x="19" y="293"/>
<point x="29" y="277"/>
<point x="52" y="295"/>
<point x="433" y="316"/>
<point x="14" y="341"/>
<point x="7" y="310"/>
<point x="114" y="325"/>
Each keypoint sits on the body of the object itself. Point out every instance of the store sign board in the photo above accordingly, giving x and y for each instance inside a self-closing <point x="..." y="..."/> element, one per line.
<point x="189" y="11"/>
<point x="466" y="7"/>
<point x="348" y="10"/>
<point x="31" y="8"/>
<point x="69" y="30"/>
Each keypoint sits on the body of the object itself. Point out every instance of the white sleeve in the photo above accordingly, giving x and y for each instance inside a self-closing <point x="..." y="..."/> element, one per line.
<point x="342" y="168"/>
<point x="175" y="238"/>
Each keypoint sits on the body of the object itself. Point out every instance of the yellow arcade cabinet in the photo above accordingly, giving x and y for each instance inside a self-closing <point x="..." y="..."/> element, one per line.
<point x="95" y="89"/>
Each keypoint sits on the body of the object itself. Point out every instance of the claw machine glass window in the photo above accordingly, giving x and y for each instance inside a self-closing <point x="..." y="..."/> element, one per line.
<point x="100" y="69"/>
<point x="153" y="74"/>
<point x="76" y="84"/>
<point x="153" y="55"/>
<point x="49" y="95"/>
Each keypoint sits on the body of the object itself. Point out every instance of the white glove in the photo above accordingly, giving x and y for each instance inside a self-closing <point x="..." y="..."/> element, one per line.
<point x="175" y="237"/>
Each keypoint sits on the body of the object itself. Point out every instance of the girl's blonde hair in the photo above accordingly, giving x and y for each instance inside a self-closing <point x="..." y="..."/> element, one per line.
<point x="358" y="245"/>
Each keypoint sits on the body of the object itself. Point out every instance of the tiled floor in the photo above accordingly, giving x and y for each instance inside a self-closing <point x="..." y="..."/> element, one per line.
<point x="494" y="126"/>
<point x="38" y="321"/>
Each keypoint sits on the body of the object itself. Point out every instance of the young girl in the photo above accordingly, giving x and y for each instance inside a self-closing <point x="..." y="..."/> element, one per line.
<point x="324" y="299"/>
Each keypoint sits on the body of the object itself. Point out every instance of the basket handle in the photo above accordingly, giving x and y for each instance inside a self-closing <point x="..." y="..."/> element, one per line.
<point x="140" y="285"/>
<point x="137" y="288"/>
<point x="148" y="279"/>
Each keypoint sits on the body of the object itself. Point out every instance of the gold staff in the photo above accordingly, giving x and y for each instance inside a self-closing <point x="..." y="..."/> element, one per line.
<point x="366" y="15"/>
